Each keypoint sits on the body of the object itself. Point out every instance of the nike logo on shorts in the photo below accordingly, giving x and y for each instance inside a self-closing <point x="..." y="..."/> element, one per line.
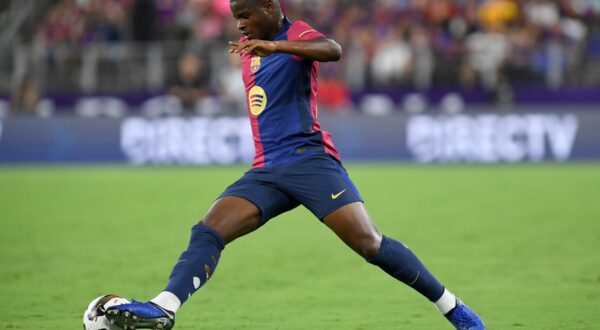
<point x="335" y="196"/>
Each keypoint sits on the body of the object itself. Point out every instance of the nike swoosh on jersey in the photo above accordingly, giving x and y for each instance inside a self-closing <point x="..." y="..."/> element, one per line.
<point x="335" y="196"/>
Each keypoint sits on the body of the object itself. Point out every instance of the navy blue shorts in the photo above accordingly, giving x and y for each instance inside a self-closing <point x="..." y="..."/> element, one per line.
<point x="320" y="183"/>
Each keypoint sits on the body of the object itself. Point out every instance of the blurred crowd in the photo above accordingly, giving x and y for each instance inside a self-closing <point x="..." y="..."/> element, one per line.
<point x="491" y="44"/>
<point x="90" y="21"/>
<point x="456" y="42"/>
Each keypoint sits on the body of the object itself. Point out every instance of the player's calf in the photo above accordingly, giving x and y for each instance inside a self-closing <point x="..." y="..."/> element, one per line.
<point x="400" y="262"/>
<point x="195" y="265"/>
<point x="193" y="269"/>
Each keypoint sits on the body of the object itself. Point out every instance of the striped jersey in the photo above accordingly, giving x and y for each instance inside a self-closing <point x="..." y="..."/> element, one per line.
<point x="281" y="94"/>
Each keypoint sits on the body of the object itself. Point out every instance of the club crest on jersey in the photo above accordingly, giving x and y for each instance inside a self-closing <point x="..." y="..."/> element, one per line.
<point x="257" y="100"/>
<point x="255" y="64"/>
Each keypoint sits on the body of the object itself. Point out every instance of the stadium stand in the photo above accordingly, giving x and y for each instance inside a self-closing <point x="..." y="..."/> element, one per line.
<point x="134" y="46"/>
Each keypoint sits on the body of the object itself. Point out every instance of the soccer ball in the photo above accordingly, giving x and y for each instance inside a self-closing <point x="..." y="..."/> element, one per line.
<point x="93" y="317"/>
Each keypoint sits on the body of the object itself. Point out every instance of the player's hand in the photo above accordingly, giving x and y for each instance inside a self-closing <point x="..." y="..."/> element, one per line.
<point x="256" y="47"/>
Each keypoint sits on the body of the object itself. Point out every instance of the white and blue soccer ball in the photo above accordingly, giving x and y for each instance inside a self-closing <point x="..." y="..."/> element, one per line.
<point x="94" y="317"/>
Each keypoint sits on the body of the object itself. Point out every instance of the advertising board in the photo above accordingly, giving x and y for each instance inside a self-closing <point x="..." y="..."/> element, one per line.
<point x="477" y="137"/>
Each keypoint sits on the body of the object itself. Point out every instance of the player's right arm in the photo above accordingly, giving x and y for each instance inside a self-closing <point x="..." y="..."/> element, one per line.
<point x="320" y="49"/>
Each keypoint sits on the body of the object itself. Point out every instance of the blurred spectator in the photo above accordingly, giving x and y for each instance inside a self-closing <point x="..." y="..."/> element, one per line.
<point x="333" y="95"/>
<point x="231" y="85"/>
<point x="423" y="61"/>
<point x="542" y="13"/>
<point x="496" y="14"/>
<point x="391" y="64"/>
<point x="106" y="20"/>
<point x="63" y="23"/>
<point x="185" y="20"/>
<point x="191" y="82"/>
<point x="487" y="50"/>
<point x="78" y="22"/>
<point x="167" y="11"/>
<point x="209" y="24"/>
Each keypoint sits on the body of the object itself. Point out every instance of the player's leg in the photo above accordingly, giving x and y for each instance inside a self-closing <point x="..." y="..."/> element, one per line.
<point x="323" y="186"/>
<point x="353" y="225"/>
<point x="229" y="218"/>
<point x="242" y="208"/>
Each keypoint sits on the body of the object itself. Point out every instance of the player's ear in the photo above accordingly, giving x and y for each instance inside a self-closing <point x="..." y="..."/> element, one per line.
<point x="268" y="6"/>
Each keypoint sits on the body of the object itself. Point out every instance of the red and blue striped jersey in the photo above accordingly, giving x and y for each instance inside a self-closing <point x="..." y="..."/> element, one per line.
<point x="282" y="102"/>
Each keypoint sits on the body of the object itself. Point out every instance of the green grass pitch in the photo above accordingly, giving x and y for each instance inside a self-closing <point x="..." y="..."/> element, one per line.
<point x="520" y="244"/>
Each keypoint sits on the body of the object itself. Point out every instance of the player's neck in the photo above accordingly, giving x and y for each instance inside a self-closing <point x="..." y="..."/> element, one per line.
<point x="276" y="30"/>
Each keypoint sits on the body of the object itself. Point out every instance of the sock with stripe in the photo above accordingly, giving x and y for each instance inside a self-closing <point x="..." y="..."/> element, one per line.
<point x="400" y="262"/>
<point x="193" y="269"/>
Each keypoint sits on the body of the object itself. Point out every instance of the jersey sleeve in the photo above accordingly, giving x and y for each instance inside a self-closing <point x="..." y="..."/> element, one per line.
<point x="242" y="39"/>
<point x="300" y="30"/>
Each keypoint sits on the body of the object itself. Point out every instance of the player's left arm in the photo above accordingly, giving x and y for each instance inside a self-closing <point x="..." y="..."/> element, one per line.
<point x="320" y="49"/>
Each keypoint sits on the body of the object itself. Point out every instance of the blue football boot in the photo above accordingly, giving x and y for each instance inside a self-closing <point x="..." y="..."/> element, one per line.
<point x="140" y="315"/>
<point x="464" y="318"/>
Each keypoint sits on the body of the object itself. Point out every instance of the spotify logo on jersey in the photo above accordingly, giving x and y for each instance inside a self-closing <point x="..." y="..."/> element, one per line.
<point x="257" y="100"/>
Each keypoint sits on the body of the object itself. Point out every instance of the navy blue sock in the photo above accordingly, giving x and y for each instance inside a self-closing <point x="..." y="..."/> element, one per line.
<point x="398" y="260"/>
<point x="197" y="263"/>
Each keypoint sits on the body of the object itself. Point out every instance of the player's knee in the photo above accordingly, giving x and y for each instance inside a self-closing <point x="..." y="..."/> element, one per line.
<point x="202" y="222"/>
<point x="213" y="222"/>
<point x="207" y="220"/>
<point x="230" y="225"/>
<point x="369" y="246"/>
<point x="217" y="221"/>
<point x="215" y="218"/>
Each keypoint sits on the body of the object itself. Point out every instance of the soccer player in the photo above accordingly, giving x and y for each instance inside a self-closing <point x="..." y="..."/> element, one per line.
<point x="295" y="163"/>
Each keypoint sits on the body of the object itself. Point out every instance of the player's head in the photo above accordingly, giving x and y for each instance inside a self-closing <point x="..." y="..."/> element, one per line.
<point x="257" y="19"/>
